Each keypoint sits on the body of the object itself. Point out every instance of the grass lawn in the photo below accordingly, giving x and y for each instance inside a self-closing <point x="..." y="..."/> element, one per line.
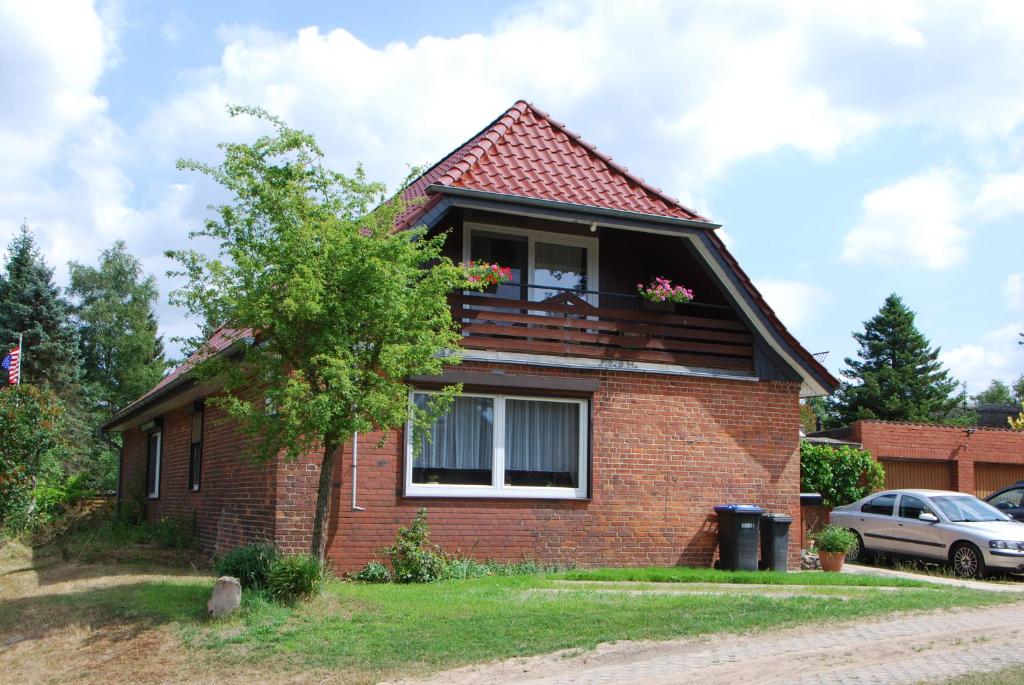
<point x="362" y="633"/>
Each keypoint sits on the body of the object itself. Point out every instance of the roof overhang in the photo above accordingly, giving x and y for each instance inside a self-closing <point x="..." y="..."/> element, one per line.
<point x="182" y="389"/>
<point x="815" y="382"/>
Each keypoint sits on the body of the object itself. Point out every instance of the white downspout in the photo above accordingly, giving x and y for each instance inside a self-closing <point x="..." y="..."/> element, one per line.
<point x="355" y="469"/>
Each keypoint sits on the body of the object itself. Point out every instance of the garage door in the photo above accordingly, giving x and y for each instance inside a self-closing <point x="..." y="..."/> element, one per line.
<point x="991" y="477"/>
<point x="917" y="473"/>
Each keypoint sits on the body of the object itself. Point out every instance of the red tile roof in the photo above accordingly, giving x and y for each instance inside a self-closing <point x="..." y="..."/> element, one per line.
<point x="525" y="152"/>
<point x="220" y="340"/>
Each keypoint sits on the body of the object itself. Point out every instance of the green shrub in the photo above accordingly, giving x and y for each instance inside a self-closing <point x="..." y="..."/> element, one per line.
<point x="840" y="475"/>
<point x="295" y="576"/>
<point x="250" y="563"/>
<point x="374" y="572"/>
<point x="413" y="558"/>
<point x="835" y="539"/>
<point x="174" y="532"/>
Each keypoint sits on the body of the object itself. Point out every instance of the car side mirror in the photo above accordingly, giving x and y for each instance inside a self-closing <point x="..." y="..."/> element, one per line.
<point x="1004" y="505"/>
<point x="928" y="517"/>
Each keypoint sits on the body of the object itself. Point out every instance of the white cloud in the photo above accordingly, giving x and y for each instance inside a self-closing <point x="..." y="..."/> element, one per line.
<point x="1014" y="291"/>
<point x="795" y="302"/>
<point x="995" y="355"/>
<point x="1000" y="196"/>
<point x="916" y="221"/>
<point x="680" y="92"/>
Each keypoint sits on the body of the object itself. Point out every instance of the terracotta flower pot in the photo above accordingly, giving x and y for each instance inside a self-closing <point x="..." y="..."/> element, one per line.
<point x="832" y="562"/>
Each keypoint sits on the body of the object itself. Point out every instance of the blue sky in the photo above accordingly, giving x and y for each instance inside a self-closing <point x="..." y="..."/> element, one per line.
<point x="850" y="150"/>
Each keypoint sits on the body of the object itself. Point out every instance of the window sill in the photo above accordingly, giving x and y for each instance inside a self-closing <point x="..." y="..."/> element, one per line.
<point x="470" y="492"/>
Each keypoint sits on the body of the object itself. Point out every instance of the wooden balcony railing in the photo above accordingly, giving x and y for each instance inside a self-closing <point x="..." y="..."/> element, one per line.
<point x="568" y="325"/>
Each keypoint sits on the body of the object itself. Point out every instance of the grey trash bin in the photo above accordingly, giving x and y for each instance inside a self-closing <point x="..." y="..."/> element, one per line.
<point x="738" y="536"/>
<point x="775" y="541"/>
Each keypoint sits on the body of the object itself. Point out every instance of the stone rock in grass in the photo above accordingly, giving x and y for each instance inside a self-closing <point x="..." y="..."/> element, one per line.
<point x="227" y="595"/>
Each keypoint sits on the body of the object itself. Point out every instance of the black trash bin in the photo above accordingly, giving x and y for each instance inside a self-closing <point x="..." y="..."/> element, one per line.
<point x="737" y="536"/>
<point x="775" y="541"/>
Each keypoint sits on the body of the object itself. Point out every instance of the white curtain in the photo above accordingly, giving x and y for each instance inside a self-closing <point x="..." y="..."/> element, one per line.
<point x="461" y="439"/>
<point x="542" y="436"/>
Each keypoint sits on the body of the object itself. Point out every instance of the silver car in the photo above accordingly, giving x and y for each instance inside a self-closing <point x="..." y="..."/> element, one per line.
<point x="973" y="537"/>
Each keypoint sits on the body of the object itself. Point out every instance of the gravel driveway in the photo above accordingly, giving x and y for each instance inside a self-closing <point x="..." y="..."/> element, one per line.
<point x="906" y="649"/>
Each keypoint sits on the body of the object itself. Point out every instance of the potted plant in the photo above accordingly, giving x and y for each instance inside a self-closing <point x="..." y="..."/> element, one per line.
<point x="660" y="294"/>
<point x="833" y="544"/>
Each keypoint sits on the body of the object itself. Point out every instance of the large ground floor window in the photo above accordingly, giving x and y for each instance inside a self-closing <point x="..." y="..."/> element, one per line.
<point x="501" y="446"/>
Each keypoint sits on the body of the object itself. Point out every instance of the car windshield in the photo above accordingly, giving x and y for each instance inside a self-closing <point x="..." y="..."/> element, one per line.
<point x="967" y="509"/>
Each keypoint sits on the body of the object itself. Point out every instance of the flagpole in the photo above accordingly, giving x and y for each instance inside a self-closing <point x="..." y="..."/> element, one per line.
<point x="21" y="358"/>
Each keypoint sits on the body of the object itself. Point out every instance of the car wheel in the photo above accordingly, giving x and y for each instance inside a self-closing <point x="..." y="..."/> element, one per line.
<point x="859" y="555"/>
<point x="967" y="561"/>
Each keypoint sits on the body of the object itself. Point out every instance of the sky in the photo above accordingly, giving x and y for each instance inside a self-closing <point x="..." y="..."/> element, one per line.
<point x="850" y="150"/>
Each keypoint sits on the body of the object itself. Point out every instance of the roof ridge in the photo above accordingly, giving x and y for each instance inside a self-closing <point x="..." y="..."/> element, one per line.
<point x="484" y="142"/>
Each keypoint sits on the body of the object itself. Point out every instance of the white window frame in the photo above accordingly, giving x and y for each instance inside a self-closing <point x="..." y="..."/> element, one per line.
<point x="155" y="493"/>
<point x="532" y="237"/>
<point x="497" y="488"/>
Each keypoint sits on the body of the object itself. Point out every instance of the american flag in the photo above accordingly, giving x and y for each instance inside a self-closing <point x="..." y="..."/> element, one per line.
<point x="12" y="362"/>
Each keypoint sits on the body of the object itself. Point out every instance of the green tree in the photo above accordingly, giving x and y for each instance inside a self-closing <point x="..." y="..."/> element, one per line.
<point x="997" y="392"/>
<point x="30" y="304"/>
<point x="897" y="375"/>
<point x="114" y="309"/>
<point x="840" y="474"/>
<point x="344" y="309"/>
<point x="34" y="446"/>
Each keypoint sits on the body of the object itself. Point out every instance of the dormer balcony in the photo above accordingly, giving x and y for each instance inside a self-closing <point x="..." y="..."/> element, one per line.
<point x="541" y="319"/>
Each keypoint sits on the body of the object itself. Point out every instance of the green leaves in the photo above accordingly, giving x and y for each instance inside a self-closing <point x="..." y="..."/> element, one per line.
<point x="344" y="308"/>
<point x="840" y="474"/>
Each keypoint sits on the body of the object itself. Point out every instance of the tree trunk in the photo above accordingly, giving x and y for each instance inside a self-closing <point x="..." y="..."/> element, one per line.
<point x="318" y="547"/>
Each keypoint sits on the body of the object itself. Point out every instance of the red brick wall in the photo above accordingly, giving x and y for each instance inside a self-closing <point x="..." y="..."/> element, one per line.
<point x="235" y="502"/>
<point x="665" y="450"/>
<point x="919" y="441"/>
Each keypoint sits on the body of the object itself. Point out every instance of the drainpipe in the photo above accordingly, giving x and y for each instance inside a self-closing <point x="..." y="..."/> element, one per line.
<point x="355" y="469"/>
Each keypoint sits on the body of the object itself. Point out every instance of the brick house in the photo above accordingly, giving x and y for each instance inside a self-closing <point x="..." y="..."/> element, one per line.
<point x="595" y="427"/>
<point x="978" y="460"/>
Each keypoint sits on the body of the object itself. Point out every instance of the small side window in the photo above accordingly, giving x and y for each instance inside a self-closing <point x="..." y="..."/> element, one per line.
<point x="881" y="505"/>
<point x="195" y="455"/>
<point x="153" y="459"/>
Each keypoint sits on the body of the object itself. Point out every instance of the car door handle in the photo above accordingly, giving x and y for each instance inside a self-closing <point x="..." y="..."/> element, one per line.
<point x="899" y="524"/>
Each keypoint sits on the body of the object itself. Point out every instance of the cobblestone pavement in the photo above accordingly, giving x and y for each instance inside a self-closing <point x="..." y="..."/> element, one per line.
<point x="906" y="649"/>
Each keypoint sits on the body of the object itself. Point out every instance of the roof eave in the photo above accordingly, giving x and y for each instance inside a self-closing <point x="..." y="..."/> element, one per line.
<point x="140" y="405"/>
<point x="571" y="206"/>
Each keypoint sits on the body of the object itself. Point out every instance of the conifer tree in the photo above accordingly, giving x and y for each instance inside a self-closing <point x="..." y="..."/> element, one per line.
<point x="897" y="375"/>
<point x="31" y="305"/>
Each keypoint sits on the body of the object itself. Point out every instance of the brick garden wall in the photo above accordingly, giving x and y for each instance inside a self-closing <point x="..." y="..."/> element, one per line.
<point x="888" y="440"/>
<point x="665" y="450"/>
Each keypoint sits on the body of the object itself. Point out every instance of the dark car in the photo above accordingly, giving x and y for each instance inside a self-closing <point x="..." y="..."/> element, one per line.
<point x="1009" y="500"/>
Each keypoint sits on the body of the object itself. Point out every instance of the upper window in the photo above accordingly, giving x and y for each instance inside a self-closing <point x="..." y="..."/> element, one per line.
<point x="882" y="505"/>
<point x="195" y="454"/>
<point x="153" y="450"/>
<point x="911" y="507"/>
<point x="543" y="264"/>
<point x="501" y="446"/>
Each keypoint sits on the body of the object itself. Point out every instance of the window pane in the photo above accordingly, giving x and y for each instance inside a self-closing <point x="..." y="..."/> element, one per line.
<point x="460" y="450"/>
<point x="559" y="267"/>
<point x="507" y="251"/>
<point x="911" y="507"/>
<point x="197" y="426"/>
<point x="880" y="505"/>
<point x="1009" y="499"/>
<point x="153" y="465"/>
<point x="542" y="443"/>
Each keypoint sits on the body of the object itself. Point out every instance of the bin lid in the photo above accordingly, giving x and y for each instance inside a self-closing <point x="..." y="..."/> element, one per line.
<point x="778" y="518"/>
<point x="739" y="508"/>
